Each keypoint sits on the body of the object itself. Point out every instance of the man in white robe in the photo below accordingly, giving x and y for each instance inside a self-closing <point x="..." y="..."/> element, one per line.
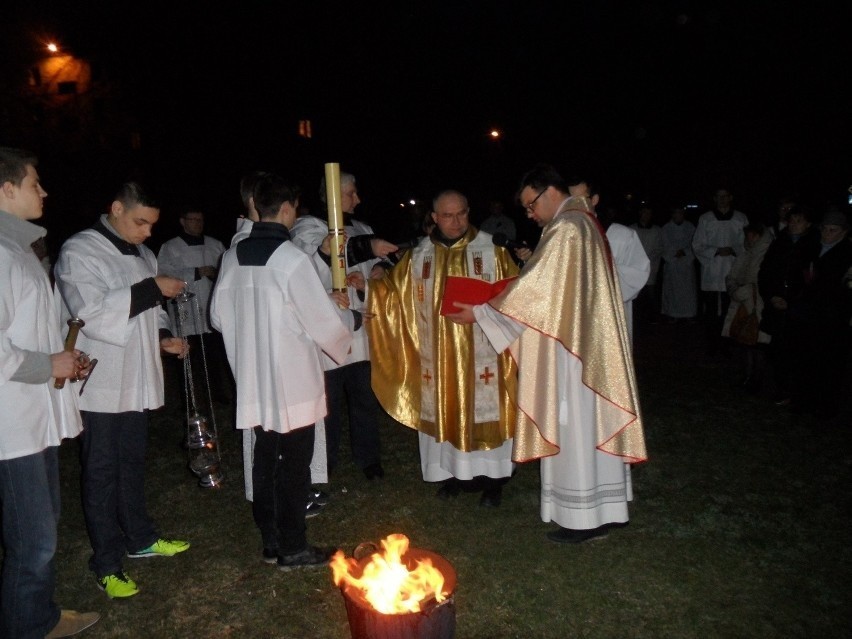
<point x="680" y="300"/>
<point x="350" y="396"/>
<point x="276" y="318"/>
<point x="36" y="415"/>
<point x="108" y="278"/>
<point x="631" y="261"/>
<point x="718" y="239"/>
<point x="563" y="322"/>
<point x="193" y="257"/>
<point x="444" y="380"/>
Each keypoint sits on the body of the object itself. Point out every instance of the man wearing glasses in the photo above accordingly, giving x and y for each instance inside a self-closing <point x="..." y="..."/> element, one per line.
<point x="442" y="379"/>
<point x="563" y="322"/>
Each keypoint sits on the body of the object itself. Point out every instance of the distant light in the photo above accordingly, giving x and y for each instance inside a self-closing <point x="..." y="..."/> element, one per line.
<point x="412" y="202"/>
<point x="494" y="133"/>
<point x="52" y="47"/>
<point x="692" y="206"/>
<point x="402" y="205"/>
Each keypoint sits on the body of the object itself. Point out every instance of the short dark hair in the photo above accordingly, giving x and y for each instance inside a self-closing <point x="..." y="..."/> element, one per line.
<point x="539" y="178"/>
<point x="14" y="163"/>
<point x="247" y="185"/>
<point x="270" y="192"/>
<point x="133" y="193"/>
<point x="576" y="180"/>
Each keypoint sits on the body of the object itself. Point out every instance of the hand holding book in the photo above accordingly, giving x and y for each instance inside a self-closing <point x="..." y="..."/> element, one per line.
<point x="469" y="290"/>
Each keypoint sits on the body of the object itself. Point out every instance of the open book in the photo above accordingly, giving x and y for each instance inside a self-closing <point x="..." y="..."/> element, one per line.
<point x="469" y="290"/>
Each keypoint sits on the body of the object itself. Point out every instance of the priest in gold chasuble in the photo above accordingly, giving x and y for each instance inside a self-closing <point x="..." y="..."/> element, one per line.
<point x="563" y="321"/>
<point x="435" y="376"/>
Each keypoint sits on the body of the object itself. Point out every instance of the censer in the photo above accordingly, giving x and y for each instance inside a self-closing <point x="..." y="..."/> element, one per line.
<point x="202" y="438"/>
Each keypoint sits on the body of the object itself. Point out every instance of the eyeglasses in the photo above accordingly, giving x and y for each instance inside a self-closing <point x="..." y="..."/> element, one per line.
<point x="531" y="206"/>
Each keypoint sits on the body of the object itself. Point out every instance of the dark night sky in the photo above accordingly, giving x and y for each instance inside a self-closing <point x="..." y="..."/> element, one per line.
<point x="663" y="98"/>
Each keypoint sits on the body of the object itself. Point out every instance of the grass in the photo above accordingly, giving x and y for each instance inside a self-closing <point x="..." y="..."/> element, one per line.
<point x="740" y="528"/>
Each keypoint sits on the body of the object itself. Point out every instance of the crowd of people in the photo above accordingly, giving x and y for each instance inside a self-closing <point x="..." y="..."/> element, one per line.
<point x="776" y="294"/>
<point x="496" y="352"/>
<point x="771" y="291"/>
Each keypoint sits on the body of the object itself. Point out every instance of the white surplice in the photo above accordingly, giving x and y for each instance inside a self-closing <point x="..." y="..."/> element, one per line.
<point x="711" y="235"/>
<point x="178" y="259"/>
<point x="631" y="265"/>
<point x="94" y="279"/>
<point x="35" y="415"/>
<point x="296" y="292"/>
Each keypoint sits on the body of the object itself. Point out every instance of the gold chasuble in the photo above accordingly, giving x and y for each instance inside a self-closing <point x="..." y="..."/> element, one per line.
<point x="431" y="374"/>
<point x="568" y="294"/>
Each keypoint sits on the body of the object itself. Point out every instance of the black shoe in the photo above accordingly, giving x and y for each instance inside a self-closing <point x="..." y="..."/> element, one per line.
<point x="571" y="536"/>
<point x="310" y="557"/>
<point x="313" y="509"/>
<point x="449" y="488"/>
<point x="491" y="497"/>
<point x="374" y="470"/>
<point x="270" y="555"/>
<point x="318" y="496"/>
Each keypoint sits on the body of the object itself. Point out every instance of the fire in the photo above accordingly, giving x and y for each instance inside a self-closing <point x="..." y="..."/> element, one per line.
<point x="386" y="582"/>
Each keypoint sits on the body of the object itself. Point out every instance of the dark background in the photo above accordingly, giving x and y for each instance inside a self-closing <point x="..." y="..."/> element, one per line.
<point x="665" y="101"/>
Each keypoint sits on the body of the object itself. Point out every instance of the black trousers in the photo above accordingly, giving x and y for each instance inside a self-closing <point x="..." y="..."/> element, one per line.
<point x="281" y="478"/>
<point x="113" y="462"/>
<point x="348" y="390"/>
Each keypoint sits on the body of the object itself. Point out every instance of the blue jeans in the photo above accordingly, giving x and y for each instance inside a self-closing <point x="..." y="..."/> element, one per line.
<point x="29" y="497"/>
<point x="349" y="391"/>
<point x="113" y="461"/>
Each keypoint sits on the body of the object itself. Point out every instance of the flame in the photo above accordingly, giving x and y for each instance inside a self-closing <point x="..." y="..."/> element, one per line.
<point x="386" y="583"/>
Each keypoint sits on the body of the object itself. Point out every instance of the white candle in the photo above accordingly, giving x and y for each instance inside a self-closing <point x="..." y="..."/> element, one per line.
<point x="335" y="226"/>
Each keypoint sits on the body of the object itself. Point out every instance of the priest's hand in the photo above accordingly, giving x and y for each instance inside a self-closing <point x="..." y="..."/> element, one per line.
<point x="378" y="271"/>
<point x="464" y="316"/>
<point x="382" y="248"/>
<point x="523" y="253"/>
<point x="175" y="346"/>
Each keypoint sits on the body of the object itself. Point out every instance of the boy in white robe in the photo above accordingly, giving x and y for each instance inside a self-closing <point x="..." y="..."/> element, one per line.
<point x="276" y="318"/>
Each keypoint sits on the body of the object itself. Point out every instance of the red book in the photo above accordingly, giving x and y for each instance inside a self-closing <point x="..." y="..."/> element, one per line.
<point x="469" y="290"/>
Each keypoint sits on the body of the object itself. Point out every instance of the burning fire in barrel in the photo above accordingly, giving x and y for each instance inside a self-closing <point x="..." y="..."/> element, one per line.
<point x="397" y="593"/>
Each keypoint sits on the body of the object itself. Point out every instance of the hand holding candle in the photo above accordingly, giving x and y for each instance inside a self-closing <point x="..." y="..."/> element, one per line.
<point x="74" y="326"/>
